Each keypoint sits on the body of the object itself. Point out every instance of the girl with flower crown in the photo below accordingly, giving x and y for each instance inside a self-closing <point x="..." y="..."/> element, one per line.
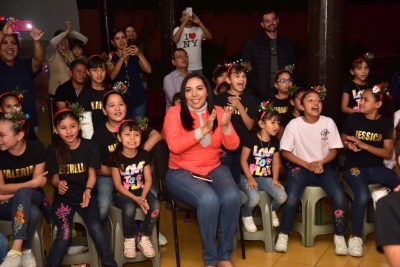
<point x="22" y="175"/>
<point x="282" y="82"/>
<point x="71" y="163"/>
<point x="352" y="91"/>
<point x="309" y="144"/>
<point x="367" y="136"/>
<point x="131" y="174"/>
<point x="260" y="161"/>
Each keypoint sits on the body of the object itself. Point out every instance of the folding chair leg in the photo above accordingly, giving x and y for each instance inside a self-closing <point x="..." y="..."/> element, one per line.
<point x="241" y="235"/>
<point x="174" y="222"/>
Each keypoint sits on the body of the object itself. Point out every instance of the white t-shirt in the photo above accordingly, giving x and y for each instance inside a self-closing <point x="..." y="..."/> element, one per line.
<point x="191" y="41"/>
<point x="311" y="142"/>
<point x="390" y="163"/>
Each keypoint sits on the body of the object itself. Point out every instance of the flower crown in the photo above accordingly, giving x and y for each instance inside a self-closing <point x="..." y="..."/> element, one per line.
<point x="292" y="90"/>
<point x="265" y="107"/>
<point x="121" y="88"/>
<point x="18" y="117"/>
<point x="289" y="68"/>
<point x="246" y="65"/>
<point x="321" y="90"/>
<point x="380" y="89"/>
<point x="142" y="122"/>
<point x="107" y="58"/>
<point x="369" y="57"/>
<point x="19" y="93"/>
<point x="75" y="108"/>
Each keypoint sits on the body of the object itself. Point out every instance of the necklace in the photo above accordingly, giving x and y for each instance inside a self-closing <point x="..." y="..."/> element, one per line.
<point x="359" y="87"/>
<point x="269" y="142"/>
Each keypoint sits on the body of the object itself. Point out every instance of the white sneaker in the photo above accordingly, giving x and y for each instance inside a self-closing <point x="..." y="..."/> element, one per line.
<point x="28" y="260"/>
<point x="281" y="244"/>
<point x="162" y="240"/>
<point x="355" y="246"/>
<point x="340" y="245"/>
<point x="275" y="220"/>
<point x="76" y="250"/>
<point x="249" y="225"/>
<point x="379" y="193"/>
<point x="12" y="260"/>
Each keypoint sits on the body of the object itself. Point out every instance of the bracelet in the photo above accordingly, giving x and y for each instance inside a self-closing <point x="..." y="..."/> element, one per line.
<point x="88" y="188"/>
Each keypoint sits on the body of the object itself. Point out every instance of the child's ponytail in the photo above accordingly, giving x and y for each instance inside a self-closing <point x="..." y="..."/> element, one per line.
<point x="380" y="93"/>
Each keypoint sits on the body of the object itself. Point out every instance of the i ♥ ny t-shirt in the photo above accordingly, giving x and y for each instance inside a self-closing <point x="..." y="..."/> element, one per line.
<point x="191" y="41"/>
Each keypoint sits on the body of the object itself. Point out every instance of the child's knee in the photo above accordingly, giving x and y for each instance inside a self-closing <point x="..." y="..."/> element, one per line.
<point x="281" y="199"/>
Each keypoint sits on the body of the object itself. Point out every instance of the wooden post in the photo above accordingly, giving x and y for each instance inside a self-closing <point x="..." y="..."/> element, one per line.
<point x="106" y="23"/>
<point x="325" y="44"/>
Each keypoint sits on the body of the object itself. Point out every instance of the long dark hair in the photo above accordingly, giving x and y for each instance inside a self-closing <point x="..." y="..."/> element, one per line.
<point x="186" y="118"/>
<point x="63" y="154"/>
<point x="293" y="97"/>
<point x="387" y="108"/>
<point x="95" y="62"/>
<point x="115" y="156"/>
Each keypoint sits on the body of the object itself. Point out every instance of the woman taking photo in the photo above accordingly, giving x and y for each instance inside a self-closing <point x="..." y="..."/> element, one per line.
<point x="127" y="62"/>
<point x="195" y="131"/>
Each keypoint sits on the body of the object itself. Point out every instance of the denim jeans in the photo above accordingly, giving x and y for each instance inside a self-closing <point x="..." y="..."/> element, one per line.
<point x="358" y="179"/>
<point x="298" y="178"/>
<point x="3" y="247"/>
<point x="105" y="188"/>
<point x="253" y="196"/>
<point x="63" y="213"/>
<point x="128" y="207"/>
<point x="140" y="111"/>
<point x="217" y="205"/>
<point x="232" y="161"/>
<point x="23" y="212"/>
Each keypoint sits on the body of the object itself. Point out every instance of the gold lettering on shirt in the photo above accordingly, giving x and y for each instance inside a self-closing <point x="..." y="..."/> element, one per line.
<point x="17" y="173"/>
<point x="111" y="148"/>
<point x="235" y="111"/>
<point x="281" y="110"/>
<point x="96" y="105"/>
<point x="72" y="168"/>
<point x="368" y="136"/>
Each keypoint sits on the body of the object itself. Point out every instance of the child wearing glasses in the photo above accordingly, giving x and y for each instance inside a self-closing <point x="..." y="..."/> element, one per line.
<point x="282" y="82"/>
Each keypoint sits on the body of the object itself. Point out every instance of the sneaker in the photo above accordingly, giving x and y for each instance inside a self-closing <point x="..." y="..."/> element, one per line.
<point x="28" y="260"/>
<point x="249" y="225"/>
<point x="12" y="260"/>
<point x="281" y="244"/>
<point x="379" y="193"/>
<point x="162" y="241"/>
<point x="146" y="247"/>
<point x="130" y="248"/>
<point x="355" y="246"/>
<point x="340" y="245"/>
<point x="275" y="220"/>
<point x="76" y="250"/>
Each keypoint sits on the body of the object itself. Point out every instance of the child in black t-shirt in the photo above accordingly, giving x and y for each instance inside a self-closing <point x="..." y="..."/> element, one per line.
<point x="282" y="81"/>
<point x="368" y="138"/>
<point x="245" y="111"/>
<point x="131" y="174"/>
<point x="353" y="90"/>
<point x="22" y="176"/>
<point x="260" y="161"/>
<point x="72" y="162"/>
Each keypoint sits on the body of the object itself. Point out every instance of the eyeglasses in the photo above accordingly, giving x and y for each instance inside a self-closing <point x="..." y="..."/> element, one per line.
<point x="180" y="57"/>
<point x="285" y="80"/>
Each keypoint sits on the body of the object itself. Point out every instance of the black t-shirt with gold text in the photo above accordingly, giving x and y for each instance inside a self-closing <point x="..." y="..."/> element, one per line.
<point x="281" y="105"/>
<point x="90" y="100"/>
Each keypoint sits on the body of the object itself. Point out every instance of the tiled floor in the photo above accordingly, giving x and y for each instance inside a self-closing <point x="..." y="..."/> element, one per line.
<point x="322" y="254"/>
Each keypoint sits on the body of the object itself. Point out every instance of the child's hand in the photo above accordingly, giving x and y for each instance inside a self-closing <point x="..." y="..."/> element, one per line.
<point x="310" y="166"/>
<point x="39" y="180"/>
<point x="251" y="184"/>
<point x="62" y="187"/>
<point x="234" y="101"/>
<point x="277" y="184"/>
<point x="142" y="202"/>
<point x="355" y="144"/>
<point x="319" y="168"/>
<point x="396" y="189"/>
<point x="86" y="198"/>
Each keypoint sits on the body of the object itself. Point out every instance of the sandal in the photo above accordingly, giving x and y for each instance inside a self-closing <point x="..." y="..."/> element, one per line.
<point x="130" y="248"/>
<point x="146" y="247"/>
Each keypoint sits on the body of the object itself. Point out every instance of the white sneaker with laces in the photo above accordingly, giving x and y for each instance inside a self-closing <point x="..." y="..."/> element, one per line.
<point x="379" y="193"/>
<point x="275" y="220"/>
<point x="162" y="240"/>
<point x="12" y="260"/>
<point x="249" y="225"/>
<point x="28" y="260"/>
<point x="355" y="246"/>
<point x="281" y="244"/>
<point x="340" y="245"/>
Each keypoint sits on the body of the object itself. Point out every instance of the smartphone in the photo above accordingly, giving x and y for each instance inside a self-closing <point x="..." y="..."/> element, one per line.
<point x="189" y="12"/>
<point x="22" y="26"/>
<point x="202" y="177"/>
<point x="132" y="42"/>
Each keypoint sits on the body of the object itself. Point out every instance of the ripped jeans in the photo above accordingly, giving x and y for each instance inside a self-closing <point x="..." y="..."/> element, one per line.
<point x="253" y="196"/>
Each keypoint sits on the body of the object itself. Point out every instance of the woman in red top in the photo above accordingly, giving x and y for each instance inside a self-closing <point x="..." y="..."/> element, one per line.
<point x="194" y="132"/>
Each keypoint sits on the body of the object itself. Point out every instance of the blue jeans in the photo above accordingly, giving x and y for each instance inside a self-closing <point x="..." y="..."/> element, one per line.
<point x="298" y="178"/>
<point x="232" y="161"/>
<point x="358" y="179"/>
<point x="217" y="205"/>
<point x="128" y="207"/>
<point x="3" y="247"/>
<point x="253" y="196"/>
<point x="140" y="111"/>
<point x="63" y="215"/>
<point x="23" y="211"/>
<point x="105" y="188"/>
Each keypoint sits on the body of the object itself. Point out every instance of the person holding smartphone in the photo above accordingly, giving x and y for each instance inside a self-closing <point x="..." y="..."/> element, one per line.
<point x="194" y="132"/>
<point x="189" y="37"/>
